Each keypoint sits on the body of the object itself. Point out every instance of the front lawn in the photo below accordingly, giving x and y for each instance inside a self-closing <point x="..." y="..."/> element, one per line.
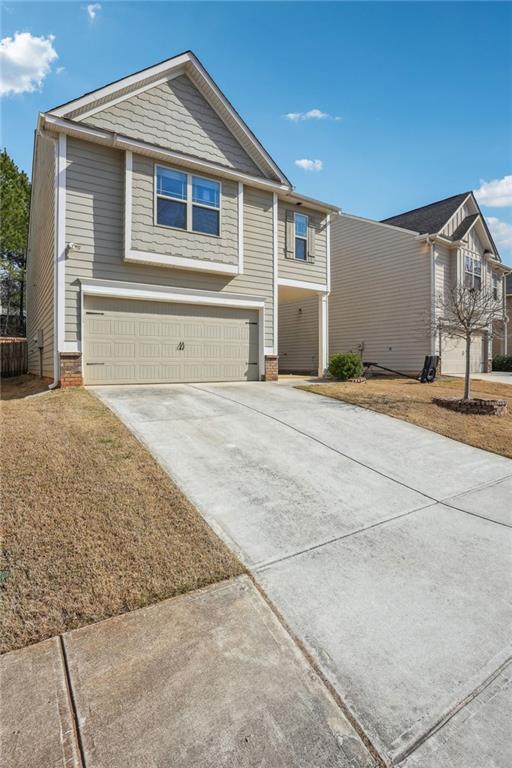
<point x="411" y="401"/>
<point x="92" y="526"/>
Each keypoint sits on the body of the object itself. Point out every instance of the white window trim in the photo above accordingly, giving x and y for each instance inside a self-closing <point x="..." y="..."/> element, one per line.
<point x="143" y="292"/>
<point x="300" y="237"/>
<point x="474" y="259"/>
<point x="188" y="202"/>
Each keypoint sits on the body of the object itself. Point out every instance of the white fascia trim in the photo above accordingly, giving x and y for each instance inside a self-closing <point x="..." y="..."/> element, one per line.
<point x="112" y="139"/>
<point x="134" y="92"/>
<point x="323" y="333"/>
<point x="115" y="289"/>
<point x="240" y="227"/>
<point x="61" y="242"/>
<point x="128" y="196"/>
<point x="275" y="266"/>
<point x="180" y="262"/>
<point x="317" y="287"/>
<point x="126" y="82"/>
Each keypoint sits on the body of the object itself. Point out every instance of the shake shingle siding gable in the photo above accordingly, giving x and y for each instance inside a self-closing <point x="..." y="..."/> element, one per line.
<point x="429" y="218"/>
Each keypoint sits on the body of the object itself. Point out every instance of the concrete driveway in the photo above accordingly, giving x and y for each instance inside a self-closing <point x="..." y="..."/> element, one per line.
<point x="386" y="548"/>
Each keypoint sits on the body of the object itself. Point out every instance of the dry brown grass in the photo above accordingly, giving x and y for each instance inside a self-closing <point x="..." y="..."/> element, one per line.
<point x="412" y="401"/>
<point x="92" y="525"/>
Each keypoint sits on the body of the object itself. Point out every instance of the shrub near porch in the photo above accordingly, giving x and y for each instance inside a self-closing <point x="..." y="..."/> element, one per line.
<point x="411" y="401"/>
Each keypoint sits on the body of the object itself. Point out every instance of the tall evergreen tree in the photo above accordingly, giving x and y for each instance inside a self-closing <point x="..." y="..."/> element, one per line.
<point x="14" y="216"/>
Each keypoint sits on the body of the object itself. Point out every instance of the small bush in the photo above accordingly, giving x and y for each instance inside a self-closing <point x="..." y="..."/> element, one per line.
<point x="502" y="363"/>
<point x="345" y="366"/>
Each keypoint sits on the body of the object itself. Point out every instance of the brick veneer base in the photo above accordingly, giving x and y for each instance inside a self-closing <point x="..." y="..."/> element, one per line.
<point x="271" y="367"/>
<point x="71" y="369"/>
<point x="474" y="406"/>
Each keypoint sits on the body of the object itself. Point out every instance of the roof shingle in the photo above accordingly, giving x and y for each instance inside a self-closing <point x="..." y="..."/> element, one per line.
<point x="428" y="219"/>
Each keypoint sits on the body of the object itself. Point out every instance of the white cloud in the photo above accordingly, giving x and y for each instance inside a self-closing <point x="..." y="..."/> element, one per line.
<point x="312" y="114"/>
<point x="310" y="165"/>
<point x="501" y="232"/>
<point x="496" y="193"/>
<point x="92" y="10"/>
<point x="25" y="61"/>
<point x="60" y="70"/>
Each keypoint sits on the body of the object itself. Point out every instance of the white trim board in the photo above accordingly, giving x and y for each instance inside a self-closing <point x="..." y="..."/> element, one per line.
<point x="61" y="244"/>
<point x="288" y="283"/>
<point x="275" y="265"/>
<point x="115" y="289"/>
<point x="179" y="262"/>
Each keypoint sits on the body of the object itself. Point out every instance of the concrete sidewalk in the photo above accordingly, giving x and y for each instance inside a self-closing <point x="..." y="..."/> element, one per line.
<point x="207" y="679"/>
<point x="387" y="549"/>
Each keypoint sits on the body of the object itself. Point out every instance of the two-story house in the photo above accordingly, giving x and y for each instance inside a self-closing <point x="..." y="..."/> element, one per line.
<point x="164" y="238"/>
<point x="386" y="280"/>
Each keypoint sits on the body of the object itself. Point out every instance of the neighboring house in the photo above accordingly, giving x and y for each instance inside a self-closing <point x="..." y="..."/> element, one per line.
<point x="163" y="237"/>
<point x="387" y="277"/>
<point x="502" y="342"/>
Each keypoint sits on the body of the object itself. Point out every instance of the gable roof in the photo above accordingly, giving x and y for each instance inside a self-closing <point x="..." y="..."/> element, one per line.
<point x="464" y="226"/>
<point x="190" y="65"/>
<point x="430" y="218"/>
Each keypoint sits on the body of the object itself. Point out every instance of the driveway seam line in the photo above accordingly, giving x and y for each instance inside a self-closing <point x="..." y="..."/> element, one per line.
<point x="351" y="458"/>
<point x="445" y="719"/>
<point x="381" y="761"/>
<point x="71" y="694"/>
<point x="269" y="563"/>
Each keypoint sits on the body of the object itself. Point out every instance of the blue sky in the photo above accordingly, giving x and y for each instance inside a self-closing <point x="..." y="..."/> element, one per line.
<point x="423" y="90"/>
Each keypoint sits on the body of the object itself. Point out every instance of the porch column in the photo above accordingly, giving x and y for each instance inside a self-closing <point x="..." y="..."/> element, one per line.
<point x="323" y="333"/>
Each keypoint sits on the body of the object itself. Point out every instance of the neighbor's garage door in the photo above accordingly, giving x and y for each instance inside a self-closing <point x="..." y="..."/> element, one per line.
<point x="453" y="355"/>
<point x="134" y="342"/>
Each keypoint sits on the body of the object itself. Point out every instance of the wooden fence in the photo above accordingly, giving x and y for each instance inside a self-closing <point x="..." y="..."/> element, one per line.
<point x="13" y="356"/>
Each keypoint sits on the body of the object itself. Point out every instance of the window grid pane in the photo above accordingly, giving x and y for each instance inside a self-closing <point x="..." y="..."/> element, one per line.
<point x="171" y="183"/>
<point x="205" y="220"/>
<point x="301" y="225"/>
<point x="300" y="248"/>
<point x="205" y="192"/>
<point x="170" y="213"/>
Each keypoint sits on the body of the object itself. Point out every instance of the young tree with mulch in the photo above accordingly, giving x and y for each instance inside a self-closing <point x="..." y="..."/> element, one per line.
<point x="14" y="217"/>
<point x="464" y="312"/>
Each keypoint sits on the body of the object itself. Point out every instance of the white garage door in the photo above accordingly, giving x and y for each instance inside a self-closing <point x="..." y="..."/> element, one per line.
<point x="143" y="342"/>
<point x="453" y="355"/>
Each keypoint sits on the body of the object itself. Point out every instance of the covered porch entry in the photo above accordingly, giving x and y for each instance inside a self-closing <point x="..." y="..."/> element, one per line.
<point x="302" y="328"/>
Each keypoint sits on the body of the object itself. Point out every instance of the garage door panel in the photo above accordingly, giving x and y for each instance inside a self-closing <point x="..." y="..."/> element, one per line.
<point x="453" y="355"/>
<point x="147" y="342"/>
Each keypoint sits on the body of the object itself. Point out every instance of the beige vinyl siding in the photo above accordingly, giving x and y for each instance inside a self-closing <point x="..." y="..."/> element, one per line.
<point x="95" y="221"/>
<point x="445" y="271"/>
<point x="157" y="239"/>
<point x="468" y="209"/>
<point x="41" y="260"/>
<point x="380" y="293"/>
<point x="294" y="269"/>
<point x="298" y="335"/>
<point x="174" y="115"/>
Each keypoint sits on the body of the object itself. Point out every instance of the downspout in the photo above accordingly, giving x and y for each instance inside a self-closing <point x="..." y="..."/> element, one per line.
<point x="433" y="331"/>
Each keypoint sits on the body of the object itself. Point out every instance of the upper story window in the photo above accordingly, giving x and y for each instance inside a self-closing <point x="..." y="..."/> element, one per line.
<point x="472" y="273"/>
<point x="301" y="236"/>
<point x="495" y="287"/>
<point x="185" y="201"/>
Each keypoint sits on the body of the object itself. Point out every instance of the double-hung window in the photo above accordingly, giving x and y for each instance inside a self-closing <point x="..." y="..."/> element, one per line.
<point x="301" y="236"/>
<point x="185" y="201"/>
<point x="472" y="273"/>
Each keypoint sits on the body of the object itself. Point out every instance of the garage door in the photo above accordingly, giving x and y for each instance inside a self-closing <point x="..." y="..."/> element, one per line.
<point x="453" y="355"/>
<point x="143" y="342"/>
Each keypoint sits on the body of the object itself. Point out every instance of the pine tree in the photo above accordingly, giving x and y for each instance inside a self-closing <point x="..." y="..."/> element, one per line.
<point x="14" y="216"/>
